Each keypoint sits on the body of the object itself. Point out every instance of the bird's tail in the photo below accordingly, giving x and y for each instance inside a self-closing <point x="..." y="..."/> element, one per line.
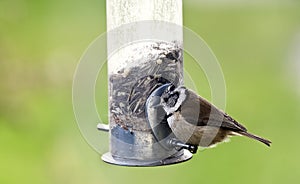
<point x="265" y="141"/>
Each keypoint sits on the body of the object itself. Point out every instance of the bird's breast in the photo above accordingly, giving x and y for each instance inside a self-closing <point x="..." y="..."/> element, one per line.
<point x="203" y="136"/>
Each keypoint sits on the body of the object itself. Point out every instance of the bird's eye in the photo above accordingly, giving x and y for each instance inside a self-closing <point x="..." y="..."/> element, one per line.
<point x="171" y="88"/>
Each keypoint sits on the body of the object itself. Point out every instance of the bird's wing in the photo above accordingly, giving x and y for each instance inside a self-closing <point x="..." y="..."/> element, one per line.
<point x="209" y="114"/>
<point x="230" y="120"/>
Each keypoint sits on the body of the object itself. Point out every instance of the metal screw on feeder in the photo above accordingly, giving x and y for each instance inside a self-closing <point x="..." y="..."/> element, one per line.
<point x="139" y="134"/>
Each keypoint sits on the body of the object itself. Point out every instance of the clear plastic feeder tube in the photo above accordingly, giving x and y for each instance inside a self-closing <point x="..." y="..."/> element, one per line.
<point x="135" y="70"/>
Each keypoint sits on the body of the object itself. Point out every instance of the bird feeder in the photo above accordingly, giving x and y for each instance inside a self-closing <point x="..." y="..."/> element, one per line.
<point x="138" y="72"/>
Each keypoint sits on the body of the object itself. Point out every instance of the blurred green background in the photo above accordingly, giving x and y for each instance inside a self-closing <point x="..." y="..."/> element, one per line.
<point x="41" y="43"/>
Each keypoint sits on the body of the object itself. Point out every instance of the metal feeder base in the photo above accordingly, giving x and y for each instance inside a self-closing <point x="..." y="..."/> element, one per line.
<point x="181" y="157"/>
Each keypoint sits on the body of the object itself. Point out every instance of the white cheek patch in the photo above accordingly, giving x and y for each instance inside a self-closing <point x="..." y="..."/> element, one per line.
<point x="180" y="100"/>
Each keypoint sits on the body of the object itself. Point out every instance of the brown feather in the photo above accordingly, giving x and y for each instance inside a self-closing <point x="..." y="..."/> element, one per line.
<point x="263" y="140"/>
<point x="198" y="122"/>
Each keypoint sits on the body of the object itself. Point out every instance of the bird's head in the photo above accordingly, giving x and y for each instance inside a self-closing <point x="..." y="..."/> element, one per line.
<point x="172" y="98"/>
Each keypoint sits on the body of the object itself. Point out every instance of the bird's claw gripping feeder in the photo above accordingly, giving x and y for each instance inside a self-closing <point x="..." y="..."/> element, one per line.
<point x="138" y="73"/>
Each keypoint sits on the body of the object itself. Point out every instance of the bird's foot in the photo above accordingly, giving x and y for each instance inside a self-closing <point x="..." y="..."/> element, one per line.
<point x="192" y="148"/>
